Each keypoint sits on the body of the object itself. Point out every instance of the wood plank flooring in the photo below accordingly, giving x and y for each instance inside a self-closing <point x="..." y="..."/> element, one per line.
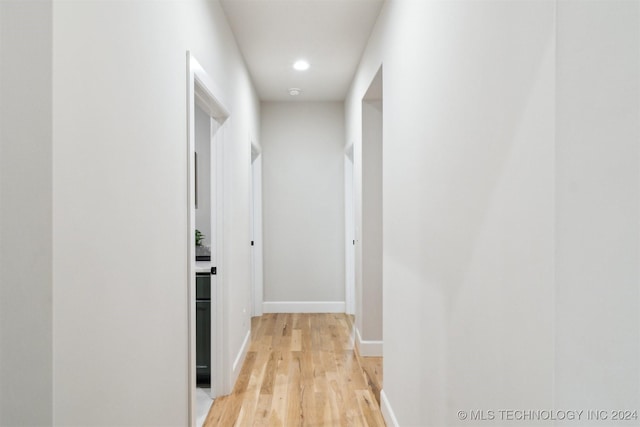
<point x="372" y="368"/>
<point x="300" y="370"/>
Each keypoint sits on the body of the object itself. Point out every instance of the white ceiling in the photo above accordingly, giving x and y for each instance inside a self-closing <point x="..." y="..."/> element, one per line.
<point x="330" y="34"/>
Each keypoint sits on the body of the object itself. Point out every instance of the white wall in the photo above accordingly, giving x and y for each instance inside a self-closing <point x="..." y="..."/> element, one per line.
<point x="202" y="133"/>
<point x="303" y="197"/>
<point x="120" y="204"/>
<point x="25" y="214"/>
<point x="510" y="229"/>
<point x="597" y="356"/>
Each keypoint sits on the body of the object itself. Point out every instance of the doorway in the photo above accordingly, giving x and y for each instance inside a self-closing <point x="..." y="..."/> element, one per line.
<point x="369" y="262"/>
<point x="369" y="251"/>
<point x="206" y="120"/>
<point x="350" y="233"/>
<point x="257" y="295"/>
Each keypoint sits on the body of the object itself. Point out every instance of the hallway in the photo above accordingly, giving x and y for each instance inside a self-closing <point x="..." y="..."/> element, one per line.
<point x="300" y="370"/>
<point x="505" y="139"/>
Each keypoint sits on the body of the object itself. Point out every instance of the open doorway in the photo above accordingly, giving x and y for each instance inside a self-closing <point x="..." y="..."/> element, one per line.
<point x="207" y="138"/>
<point x="206" y="118"/>
<point x="369" y="248"/>
<point x="257" y="293"/>
<point x="350" y="233"/>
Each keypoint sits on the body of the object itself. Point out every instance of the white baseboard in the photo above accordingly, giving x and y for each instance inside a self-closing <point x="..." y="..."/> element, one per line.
<point x="237" y="364"/>
<point x="387" y="412"/>
<point x="352" y="336"/>
<point x="368" y="348"/>
<point x="303" y="307"/>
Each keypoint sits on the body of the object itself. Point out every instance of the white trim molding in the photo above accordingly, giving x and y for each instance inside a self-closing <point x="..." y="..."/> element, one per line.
<point x="303" y="307"/>
<point x="387" y="412"/>
<point x="368" y="348"/>
<point x="237" y="364"/>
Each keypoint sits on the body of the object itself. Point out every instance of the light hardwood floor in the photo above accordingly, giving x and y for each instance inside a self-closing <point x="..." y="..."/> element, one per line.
<point x="300" y="370"/>
<point x="372" y="367"/>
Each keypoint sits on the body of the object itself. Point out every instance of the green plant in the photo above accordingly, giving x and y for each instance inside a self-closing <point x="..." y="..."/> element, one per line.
<point x="199" y="238"/>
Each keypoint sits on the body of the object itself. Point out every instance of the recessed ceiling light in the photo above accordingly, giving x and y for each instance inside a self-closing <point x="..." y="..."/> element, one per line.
<point x="301" y="65"/>
<point x="294" y="91"/>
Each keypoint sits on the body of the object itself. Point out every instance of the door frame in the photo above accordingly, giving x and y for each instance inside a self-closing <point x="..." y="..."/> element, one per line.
<point x="257" y="288"/>
<point x="201" y="90"/>
<point x="350" y="231"/>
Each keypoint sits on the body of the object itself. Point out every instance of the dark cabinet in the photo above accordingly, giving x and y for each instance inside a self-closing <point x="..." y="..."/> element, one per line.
<point x="203" y="329"/>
